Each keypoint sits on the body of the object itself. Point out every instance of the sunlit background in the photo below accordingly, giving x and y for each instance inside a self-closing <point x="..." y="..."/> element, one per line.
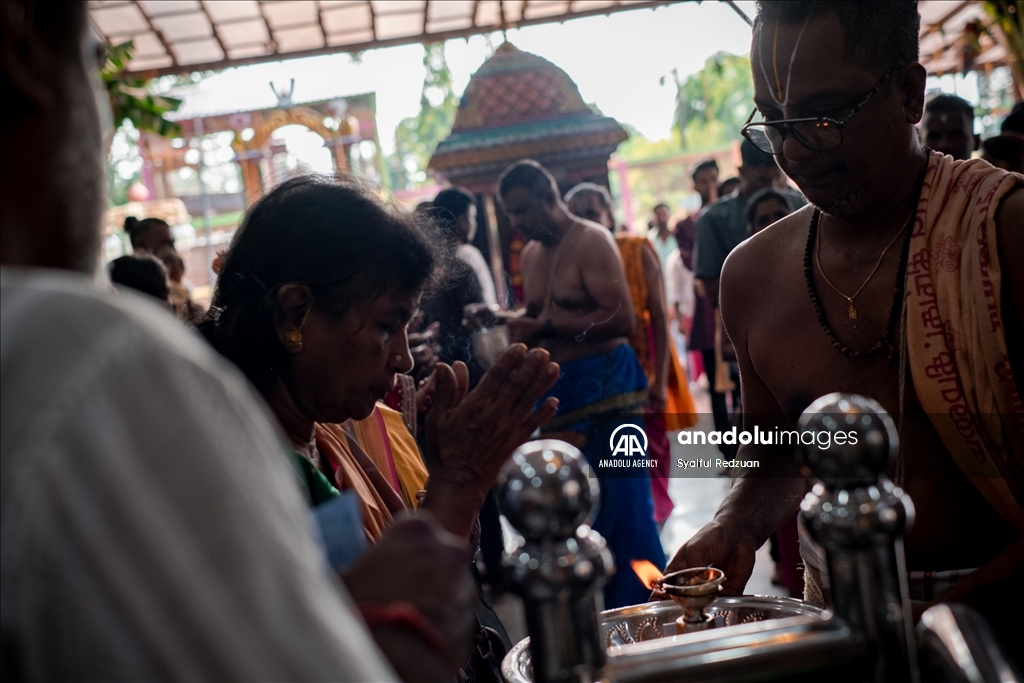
<point x="676" y="78"/>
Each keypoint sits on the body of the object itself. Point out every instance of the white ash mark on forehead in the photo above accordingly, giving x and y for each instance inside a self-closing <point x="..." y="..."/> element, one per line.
<point x="780" y="96"/>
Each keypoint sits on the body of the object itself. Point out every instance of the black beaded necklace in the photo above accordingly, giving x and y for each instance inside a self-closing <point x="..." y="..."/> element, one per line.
<point x="888" y="340"/>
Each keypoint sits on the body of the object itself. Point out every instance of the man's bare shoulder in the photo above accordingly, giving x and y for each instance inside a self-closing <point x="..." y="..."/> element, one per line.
<point x="593" y="235"/>
<point x="531" y="250"/>
<point x="754" y="263"/>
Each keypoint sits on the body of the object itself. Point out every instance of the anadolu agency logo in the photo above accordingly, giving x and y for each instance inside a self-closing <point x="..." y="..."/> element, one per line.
<point x="627" y="457"/>
<point x="628" y="440"/>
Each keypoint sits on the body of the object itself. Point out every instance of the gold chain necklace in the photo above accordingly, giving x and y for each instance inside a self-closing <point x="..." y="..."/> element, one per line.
<point x="852" y="311"/>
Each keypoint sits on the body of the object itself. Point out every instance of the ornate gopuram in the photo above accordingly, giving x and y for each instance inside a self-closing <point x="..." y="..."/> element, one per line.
<point x="521" y="106"/>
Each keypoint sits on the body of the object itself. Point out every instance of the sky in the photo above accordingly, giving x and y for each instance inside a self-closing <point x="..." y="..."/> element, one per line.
<point x="617" y="61"/>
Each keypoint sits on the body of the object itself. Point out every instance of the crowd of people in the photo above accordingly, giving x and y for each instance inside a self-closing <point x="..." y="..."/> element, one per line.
<point x="296" y="484"/>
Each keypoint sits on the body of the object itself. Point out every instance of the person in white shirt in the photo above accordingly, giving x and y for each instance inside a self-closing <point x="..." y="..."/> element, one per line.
<point x="663" y="238"/>
<point x="680" y="292"/>
<point x="152" y="527"/>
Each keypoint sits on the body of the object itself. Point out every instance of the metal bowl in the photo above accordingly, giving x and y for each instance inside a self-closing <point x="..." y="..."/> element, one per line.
<point x="694" y="590"/>
<point x="624" y="628"/>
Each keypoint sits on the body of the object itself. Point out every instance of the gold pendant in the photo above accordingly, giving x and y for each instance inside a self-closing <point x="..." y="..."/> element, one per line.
<point x="852" y="313"/>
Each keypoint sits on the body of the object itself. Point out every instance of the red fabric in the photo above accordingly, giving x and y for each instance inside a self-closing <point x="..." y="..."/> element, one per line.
<point x="658" y="449"/>
<point x="696" y="364"/>
<point x="393" y="399"/>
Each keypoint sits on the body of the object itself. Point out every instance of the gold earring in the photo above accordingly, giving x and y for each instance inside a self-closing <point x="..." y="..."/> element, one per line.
<point x="293" y="340"/>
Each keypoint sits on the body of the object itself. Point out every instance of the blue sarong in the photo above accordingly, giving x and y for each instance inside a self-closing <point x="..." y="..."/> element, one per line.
<point x="589" y="391"/>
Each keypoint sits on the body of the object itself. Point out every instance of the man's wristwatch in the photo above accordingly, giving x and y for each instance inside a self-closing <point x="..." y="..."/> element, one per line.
<point x="547" y="331"/>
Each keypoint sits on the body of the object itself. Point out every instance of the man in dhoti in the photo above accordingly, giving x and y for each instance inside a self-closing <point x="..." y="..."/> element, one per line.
<point x="578" y="307"/>
<point x="903" y="281"/>
<point x="669" y="404"/>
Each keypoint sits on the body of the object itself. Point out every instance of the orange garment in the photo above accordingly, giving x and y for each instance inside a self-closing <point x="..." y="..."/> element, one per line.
<point x="680" y="411"/>
<point x="389" y="443"/>
<point x="955" y="342"/>
<point x="355" y="472"/>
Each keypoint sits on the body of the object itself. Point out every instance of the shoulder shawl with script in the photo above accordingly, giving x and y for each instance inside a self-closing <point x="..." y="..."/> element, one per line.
<point x="955" y="345"/>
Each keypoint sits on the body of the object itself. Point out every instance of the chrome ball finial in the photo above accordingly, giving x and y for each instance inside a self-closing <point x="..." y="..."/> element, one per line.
<point x="545" y="490"/>
<point x="854" y="443"/>
<point x="560" y="565"/>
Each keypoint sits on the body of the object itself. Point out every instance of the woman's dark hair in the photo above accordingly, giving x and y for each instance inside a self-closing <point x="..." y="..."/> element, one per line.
<point x="456" y="200"/>
<point x="445" y="226"/>
<point x="142" y="272"/>
<point x="329" y="234"/>
<point x="765" y="195"/>
<point x="137" y="228"/>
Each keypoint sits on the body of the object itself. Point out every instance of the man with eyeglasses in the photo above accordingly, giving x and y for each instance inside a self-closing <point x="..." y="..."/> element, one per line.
<point x="902" y="281"/>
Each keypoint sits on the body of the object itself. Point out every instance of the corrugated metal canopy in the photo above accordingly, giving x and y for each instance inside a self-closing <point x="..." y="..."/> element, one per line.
<point x="949" y="43"/>
<point x="175" y="36"/>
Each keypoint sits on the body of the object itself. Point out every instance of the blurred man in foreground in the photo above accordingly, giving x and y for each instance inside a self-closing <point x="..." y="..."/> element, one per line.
<point x="152" y="526"/>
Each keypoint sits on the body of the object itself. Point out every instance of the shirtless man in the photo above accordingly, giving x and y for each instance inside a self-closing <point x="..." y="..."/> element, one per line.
<point x="593" y="203"/>
<point x="668" y="399"/>
<point x="856" y="63"/>
<point x="579" y="308"/>
<point x="577" y="300"/>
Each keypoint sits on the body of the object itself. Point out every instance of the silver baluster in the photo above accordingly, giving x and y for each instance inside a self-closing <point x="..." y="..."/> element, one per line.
<point x="860" y="517"/>
<point x="559" y="568"/>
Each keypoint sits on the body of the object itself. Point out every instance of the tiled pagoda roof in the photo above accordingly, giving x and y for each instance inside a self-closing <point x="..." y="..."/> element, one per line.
<point x="519" y="105"/>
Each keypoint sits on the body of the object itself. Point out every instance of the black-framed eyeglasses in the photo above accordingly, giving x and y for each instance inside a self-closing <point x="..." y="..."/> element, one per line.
<point x="821" y="133"/>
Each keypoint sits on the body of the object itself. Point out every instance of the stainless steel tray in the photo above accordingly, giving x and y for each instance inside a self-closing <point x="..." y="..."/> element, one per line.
<point x="624" y="629"/>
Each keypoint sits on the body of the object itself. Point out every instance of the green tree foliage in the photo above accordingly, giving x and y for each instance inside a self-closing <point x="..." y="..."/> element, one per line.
<point x="640" y="148"/>
<point x="124" y="163"/>
<point x="712" y="104"/>
<point x="416" y="137"/>
<point x="711" y="107"/>
<point x="130" y="98"/>
<point x="1008" y="15"/>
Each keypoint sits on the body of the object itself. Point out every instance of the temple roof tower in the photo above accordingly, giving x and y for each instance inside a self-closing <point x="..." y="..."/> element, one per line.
<point x="521" y="106"/>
